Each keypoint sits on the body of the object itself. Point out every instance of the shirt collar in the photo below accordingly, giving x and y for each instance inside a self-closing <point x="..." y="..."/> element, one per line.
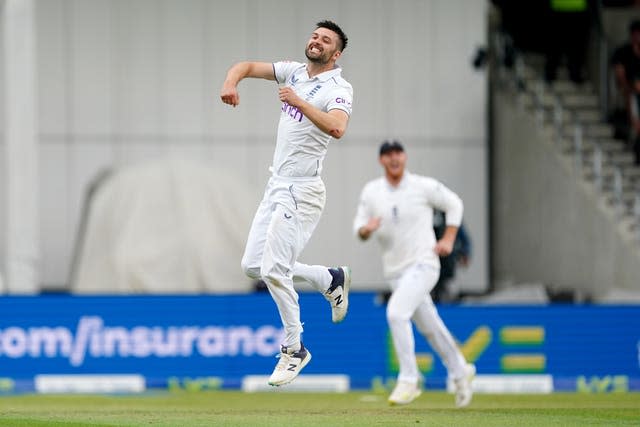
<point x="327" y="75"/>
<point x="401" y="184"/>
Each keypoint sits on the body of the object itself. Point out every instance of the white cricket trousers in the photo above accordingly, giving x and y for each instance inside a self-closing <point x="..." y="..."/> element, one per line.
<point x="410" y="300"/>
<point x="286" y="217"/>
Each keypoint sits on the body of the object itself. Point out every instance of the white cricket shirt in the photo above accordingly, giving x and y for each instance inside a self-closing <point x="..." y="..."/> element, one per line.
<point x="301" y="146"/>
<point x="406" y="233"/>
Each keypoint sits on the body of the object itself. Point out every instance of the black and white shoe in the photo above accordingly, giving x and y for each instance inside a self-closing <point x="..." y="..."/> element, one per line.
<point x="289" y="366"/>
<point x="338" y="293"/>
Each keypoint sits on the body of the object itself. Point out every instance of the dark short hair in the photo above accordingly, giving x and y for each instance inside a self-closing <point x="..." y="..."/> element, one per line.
<point x="389" y="146"/>
<point x="634" y="26"/>
<point x="330" y="25"/>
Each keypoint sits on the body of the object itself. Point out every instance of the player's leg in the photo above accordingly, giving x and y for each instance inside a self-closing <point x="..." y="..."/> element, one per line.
<point x="317" y="276"/>
<point x="332" y="282"/>
<point x="287" y="233"/>
<point x="431" y="326"/>
<point x="256" y="265"/>
<point x="309" y="200"/>
<point x="407" y="293"/>
<point x="280" y="251"/>
<point x="252" y="257"/>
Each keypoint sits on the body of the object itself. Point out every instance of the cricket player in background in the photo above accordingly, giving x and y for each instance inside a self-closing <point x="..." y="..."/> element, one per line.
<point x="398" y="209"/>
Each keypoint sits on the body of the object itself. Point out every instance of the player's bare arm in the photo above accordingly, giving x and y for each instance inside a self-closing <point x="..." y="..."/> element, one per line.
<point x="241" y="70"/>
<point x="367" y="230"/>
<point x="333" y="122"/>
<point x="444" y="246"/>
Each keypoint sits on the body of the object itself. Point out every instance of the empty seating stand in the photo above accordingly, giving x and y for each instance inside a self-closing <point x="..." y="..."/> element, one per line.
<point x="573" y="115"/>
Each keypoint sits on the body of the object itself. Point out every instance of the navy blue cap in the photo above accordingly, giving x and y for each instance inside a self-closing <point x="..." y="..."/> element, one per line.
<point x="389" y="146"/>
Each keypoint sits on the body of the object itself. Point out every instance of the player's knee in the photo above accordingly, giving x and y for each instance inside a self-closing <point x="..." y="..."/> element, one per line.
<point x="251" y="271"/>
<point x="395" y="315"/>
<point x="273" y="274"/>
<point x="271" y="279"/>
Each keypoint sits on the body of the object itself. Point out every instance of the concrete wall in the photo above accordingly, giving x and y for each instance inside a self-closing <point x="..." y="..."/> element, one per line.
<point x="125" y="81"/>
<point x="549" y="225"/>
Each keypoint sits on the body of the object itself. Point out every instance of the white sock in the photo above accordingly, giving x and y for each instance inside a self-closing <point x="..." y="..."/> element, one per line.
<point x="293" y="347"/>
<point x="317" y="276"/>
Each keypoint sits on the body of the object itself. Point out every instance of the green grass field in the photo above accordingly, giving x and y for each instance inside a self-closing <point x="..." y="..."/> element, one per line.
<point x="234" y="408"/>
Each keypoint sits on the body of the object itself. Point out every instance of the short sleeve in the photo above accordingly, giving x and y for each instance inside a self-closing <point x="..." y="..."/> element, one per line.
<point x="282" y="70"/>
<point x="341" y="98"/>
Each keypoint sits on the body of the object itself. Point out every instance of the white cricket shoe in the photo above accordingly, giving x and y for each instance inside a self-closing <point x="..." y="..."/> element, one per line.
<point x="463" y="388"/>
<point x="289" y="366"/>
<point x="338" y="293"/>
<point x="404" y="393"/>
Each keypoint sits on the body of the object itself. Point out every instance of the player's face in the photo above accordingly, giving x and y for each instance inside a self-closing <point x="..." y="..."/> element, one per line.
<point x="322" y="47"/>
<point x="393" y="163"/>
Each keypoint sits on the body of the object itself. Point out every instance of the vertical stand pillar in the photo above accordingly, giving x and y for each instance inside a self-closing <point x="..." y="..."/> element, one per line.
<point x="21" y="154"/>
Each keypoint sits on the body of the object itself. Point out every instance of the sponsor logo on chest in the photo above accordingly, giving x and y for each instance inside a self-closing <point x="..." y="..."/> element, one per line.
<point x="294" y="112"/>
